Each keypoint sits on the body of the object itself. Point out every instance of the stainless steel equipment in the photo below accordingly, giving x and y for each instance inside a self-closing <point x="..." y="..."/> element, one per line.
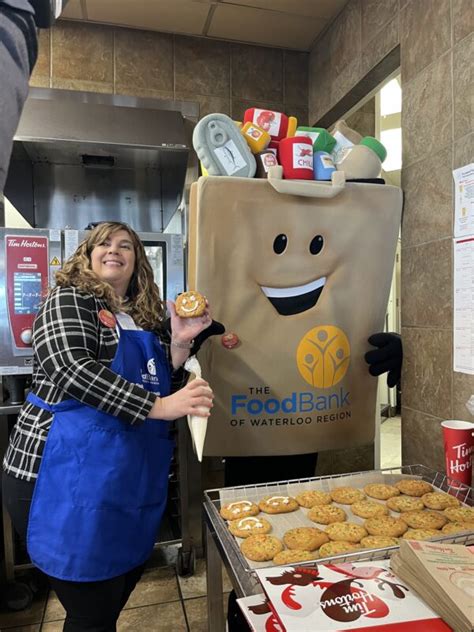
<point x="28" y="262"/>
<point x="80" y="157"/>
<point x="223" y="547"/>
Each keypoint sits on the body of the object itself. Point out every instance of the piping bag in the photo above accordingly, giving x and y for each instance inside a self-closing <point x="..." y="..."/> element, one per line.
<point x="197" y="425"/>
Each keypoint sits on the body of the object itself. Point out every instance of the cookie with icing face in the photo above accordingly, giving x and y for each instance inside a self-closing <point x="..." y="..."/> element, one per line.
<point x="190" y="305"/>
<point x="239" y="509"/>
<point x="245" y="527"/>
<point x="278" y="504"/>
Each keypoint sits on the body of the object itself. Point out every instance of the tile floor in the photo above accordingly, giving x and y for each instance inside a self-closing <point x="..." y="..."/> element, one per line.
<point x="390" y="443"/>
<point x="178" y="604"/>
<point x="163" y="601"/>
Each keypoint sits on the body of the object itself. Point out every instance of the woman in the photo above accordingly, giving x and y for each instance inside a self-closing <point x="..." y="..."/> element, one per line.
<point x="93" y="437"/>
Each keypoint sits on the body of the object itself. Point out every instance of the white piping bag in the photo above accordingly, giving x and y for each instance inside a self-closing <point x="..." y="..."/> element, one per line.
<point x="197" y="425"/>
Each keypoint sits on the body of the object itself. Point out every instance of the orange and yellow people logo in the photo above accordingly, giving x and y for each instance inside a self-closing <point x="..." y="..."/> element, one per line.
<point x="323" y="356"/>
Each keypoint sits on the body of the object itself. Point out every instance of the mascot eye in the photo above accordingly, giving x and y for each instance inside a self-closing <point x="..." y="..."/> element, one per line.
<point x="316" y="245"/>
<point x="280" y="243"/>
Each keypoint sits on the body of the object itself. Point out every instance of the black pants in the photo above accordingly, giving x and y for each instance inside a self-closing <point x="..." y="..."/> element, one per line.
<point x="252" y="470"/>
<point x="90" y="606"/>
<point x="95" y="606"/>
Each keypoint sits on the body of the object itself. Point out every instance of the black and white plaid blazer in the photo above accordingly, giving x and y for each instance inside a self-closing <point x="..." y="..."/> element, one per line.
<point x="72" y="355"/>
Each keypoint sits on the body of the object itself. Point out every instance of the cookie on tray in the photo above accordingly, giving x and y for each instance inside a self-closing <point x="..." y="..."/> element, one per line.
<point x="261" y="548"/>
<point x="457" y="527"/>
<point x="337" y="547"/>
<point x="346" y="531"/>
<point x="413" y="487"/>
<point x="439" y="500"/>
<point x="380" y="491"/>
<point x="239" y="509"/>
<point x="378" y="542"/>
<point x="346" y="495"/>
<point x="459" y="514"/>
<point x="387" y="526"/>
<point x="424" y="519"/>
<point x="245" y="527"/>
<point x="305" y="538"/>
<point x="278" y="504"/>
<point x="369" y="509"/>
<point x="326" y="514"/>
<point x="296" y="555"/>
<point x="405" y="503"/>
<point x="421" y="534"/>
<point x="311" y="497"/>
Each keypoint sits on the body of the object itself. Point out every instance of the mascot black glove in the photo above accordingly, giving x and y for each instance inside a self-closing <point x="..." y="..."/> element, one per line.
<point x="387" y="357"/>
<point x="214" y="329"/>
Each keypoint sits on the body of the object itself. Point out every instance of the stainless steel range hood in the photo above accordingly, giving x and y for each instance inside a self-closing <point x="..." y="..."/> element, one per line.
<point x="83" y="157"/>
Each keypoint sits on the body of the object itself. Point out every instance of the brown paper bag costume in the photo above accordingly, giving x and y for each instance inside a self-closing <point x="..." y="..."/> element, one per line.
<point x="297" y="381"/>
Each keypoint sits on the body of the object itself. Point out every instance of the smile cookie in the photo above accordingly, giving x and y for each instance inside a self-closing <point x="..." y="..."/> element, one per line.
<point x="424" y="519"/>
<point x="369" y="509"/>
<point x="378" y="542"/>
<point x="239" y="509"/>
<point x="387" y="526"/>
<point x="413" y="487"/>
<point x="305" y="538"/>
<point x="326" y="514"/>
<point x="336" y="548"/>
<point x="278" y="504"/>
<point x="420" y="534"/>
<point x="346" y="495"/>
<point x="312" y="498"/>
<point x="190" y="305"/>
<point x="346" y="532"/>
<point x="261" y="548"/>
<point x="438" y="500"/>
<point x="289" y="557"/>
<point x="405" y="503"/>
<point x="459" y="514"/>
<point x="245" y="527"/>
<point x="381" y="491"/>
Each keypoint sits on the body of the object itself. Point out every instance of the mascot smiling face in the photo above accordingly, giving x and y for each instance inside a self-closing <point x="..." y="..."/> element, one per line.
<point x="302" y="282"/>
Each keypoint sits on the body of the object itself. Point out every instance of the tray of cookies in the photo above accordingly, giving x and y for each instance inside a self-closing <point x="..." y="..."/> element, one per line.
<point x="356" y="516"/>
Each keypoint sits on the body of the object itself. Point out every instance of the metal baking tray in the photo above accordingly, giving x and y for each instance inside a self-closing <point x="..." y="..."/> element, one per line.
<point x="215" y="498"/>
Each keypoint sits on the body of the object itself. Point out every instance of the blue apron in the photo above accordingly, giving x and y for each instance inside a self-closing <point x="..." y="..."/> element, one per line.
<point x="102" y="484"/>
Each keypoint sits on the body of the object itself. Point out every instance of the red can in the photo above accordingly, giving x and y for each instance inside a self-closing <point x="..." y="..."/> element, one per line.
<point x="274" y="123"/>
<point x="296" y="158"/>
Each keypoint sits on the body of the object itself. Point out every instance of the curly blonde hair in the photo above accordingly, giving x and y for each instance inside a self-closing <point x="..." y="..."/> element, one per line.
<point x="144" y="303"/>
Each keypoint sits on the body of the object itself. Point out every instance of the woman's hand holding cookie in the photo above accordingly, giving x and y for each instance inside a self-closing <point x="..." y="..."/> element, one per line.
<point x="185" y="326"/>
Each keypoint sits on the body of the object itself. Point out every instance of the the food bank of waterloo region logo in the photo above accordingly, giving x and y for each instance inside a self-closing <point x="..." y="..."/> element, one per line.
<point x="323" y="356"/>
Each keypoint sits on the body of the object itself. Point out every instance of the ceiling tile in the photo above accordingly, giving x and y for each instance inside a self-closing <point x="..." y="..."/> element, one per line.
<point x="73" y="10"/>
<point x="313" y="8"/>
<point x="264" y="27"/>
<point x="179" y="16"/>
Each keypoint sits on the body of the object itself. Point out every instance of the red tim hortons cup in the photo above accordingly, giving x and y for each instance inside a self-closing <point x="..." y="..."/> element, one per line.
<point x="458" y="447"/>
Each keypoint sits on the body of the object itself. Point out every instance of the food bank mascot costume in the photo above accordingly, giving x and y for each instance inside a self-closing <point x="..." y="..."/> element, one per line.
<point x="300" y="273"/>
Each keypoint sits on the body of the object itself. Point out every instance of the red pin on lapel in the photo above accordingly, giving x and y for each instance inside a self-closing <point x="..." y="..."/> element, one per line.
<point x="107" y="318"/>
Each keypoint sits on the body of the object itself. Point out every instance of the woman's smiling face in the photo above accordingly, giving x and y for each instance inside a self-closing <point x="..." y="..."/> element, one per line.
<point x="113" y="260"/>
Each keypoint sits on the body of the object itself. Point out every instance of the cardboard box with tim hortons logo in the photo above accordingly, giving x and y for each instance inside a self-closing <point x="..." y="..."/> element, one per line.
<point x="301" y="273"/>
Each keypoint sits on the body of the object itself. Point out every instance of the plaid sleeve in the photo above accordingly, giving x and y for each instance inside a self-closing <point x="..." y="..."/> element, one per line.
<point x="66" y="340"/>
